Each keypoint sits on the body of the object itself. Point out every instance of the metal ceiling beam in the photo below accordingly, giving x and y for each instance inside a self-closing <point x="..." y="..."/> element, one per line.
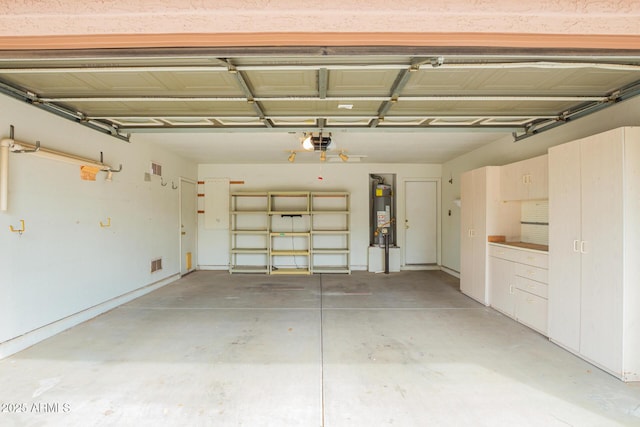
<point x="94" y="124"/>
<point x="250" y="98"/>
<point x="323" y="81"/>
<point x="249" y="94"/>
<point x="630" y="91"/>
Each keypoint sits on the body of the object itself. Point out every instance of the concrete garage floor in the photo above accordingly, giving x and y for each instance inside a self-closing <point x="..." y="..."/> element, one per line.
<point x="405" y="349"/>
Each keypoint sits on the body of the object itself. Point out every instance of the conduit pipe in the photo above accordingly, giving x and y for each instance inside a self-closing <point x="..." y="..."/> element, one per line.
<point x="18" y="146"/>
<point x="5" y="144"/>
<point x="10" y="145"/>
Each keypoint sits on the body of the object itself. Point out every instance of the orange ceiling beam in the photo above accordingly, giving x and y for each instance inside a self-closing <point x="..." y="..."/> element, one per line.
<point x="309" y="39"/>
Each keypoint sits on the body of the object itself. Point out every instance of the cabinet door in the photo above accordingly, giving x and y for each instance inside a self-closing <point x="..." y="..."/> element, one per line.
<point x="531" y="310"/>
<point x="479" y="240"/>
<point x="602" y="249"/>
<point x="501" y="277"/>
<point x="466" y="225"/>
<point x="538" y="182"/>
<point x="564" y="245"/>
<point x="511" y="186"/>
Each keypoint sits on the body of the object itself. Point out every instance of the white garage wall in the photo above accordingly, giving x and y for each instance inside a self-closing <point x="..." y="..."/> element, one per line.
<point x="65" y="263"/>
<point x="213" y="245"/>
<point x="505" y="151"/>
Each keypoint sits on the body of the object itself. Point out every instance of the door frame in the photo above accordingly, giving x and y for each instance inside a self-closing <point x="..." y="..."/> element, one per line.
<point x="194" y="257"/>
<point x="436" y="266"/>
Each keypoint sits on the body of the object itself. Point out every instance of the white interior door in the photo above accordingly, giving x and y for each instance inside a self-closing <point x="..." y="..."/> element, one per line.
<point x="188" y="226"/>
<point x="421" y="222"/>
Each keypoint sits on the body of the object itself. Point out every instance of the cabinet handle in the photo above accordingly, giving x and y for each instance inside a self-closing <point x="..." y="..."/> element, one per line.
<point x="582" y="247"/>
<point x="576" y="243"/>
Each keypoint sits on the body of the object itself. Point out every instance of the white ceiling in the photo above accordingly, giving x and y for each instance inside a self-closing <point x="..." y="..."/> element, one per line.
<point x="274" y="147"/>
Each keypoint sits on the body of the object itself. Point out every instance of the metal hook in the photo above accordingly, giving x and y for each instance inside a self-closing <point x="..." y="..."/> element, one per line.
<point x="20" y="230"/>
<point x="114" y="170"/>
<point x="174" y="186"/>
<point x="164" y="184"/>
<point x="108" y="224"/>
<point x="21" y="150"/>
<point x="24" y="150"/>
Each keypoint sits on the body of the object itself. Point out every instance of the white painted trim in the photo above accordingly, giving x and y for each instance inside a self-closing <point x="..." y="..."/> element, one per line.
<point x="450" y="271"/>
<point x="415" y="267"/>
<point x="195" y="252"/>
<point x="22" y="342"/>
<point x="213" y="267"/>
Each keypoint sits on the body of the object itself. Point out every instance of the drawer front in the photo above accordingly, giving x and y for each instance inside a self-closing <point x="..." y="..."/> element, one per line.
<point x="504" y="253"/>
<point x="533" y="287"/>
<point x="531" y="310"/>
<point x="536" y="259"/>
<point x="533" y="273"/>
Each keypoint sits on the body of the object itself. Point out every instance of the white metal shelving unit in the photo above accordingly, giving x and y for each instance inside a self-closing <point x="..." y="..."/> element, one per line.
<point x="289" y="237"/>
<point x="290" y="232"/>
<point x="249" y="233"/>
<point x="330" y="234"/>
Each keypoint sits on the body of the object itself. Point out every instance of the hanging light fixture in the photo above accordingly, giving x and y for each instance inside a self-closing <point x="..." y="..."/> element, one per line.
<point x="307" y="143"/>
<point x="316" y="143"/>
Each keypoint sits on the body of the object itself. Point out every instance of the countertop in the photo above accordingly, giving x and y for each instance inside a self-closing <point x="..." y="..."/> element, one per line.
<point x="533" y="246"/>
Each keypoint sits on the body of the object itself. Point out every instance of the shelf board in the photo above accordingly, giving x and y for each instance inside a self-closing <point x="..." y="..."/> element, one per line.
<point x="332" y="269"/>
<point x="289" y="252"/>
<point x="289" y="212"/>
<point x="249" y="269"/>
<point x="290" y="271"/>
<point x="290" y="234"/>
<point x="264" y="232"/>
<point x="327" y="211"/>
<point x="329" y="231"/>
<point x="250" y="194"/>
<point x="249" y="251"/>
<point x="329" y="251"/>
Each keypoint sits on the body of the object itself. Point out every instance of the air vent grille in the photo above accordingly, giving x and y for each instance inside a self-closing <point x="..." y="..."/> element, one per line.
<point x="156" y="265"/>
<point x="156" y="169"/>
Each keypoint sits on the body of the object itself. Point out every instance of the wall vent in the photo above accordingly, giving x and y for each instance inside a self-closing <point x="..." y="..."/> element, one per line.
<point x="156" y="265"/>
<point x="156" y="169"/>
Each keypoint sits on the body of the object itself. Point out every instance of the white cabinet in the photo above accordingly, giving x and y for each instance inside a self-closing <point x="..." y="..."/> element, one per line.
<point x="483" y="214"/>
<point x="525" y="180"/>
<point x="594" y="230"/>
<point x="518" y="282"/>
<point x="502" y="280"/>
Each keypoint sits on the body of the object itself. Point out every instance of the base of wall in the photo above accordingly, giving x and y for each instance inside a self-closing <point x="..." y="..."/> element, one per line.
<point x="213" y="267"/>
<point x="450" y="272"/>
<point x="420" y="267"/>
<point x="22" y="342"/>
